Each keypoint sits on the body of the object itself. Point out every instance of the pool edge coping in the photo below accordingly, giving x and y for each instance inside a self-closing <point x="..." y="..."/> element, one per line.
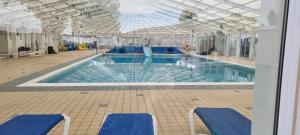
<point x="34" y="82"/>
<point x="224" y="61"/>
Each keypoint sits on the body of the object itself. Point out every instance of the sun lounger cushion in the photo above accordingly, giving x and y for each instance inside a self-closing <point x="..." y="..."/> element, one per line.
<point x="128" y="124"/>
<point x="30" y="124"/>
<point x="224" y="121"/>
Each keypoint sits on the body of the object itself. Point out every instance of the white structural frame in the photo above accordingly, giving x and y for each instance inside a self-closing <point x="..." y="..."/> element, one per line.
<point x="191" y="121"/>
<point x="54" y="15"/>
<point x="288" y="110"/>
<point x="67" y="124"/>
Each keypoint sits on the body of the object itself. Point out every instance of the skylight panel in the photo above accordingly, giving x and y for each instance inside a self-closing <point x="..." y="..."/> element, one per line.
<point x="201" y="19"/>
<point x="59" y="13"/>
<point x="210" y="2"/>
<point x="190" y="3"/>
<point x="255" y="25"/>
<point x="224" y="6"/>
<point x="211" y="17"/>
<point x="201" y="15"/>
<point x="15" y="7"/>
<point x="241" y="2"/>
<point x="200" y="6"/>
<point x="222" y="14"/>
<point x="18" y="15"/>
<point x="212" y="11"/>
<point x="69" y="10"/>
<point x="179" y="0"/>
<point x="221" y="21"/>
<point x="255" y="4"/>
<point x="233" y="18"/>
<point x="61" y="6"/>
<point x="45" y="16"/>
<point x="231" y="24"/>
<point x="50" y="1"/>
<point x="3" y="11"/>
<point x="212" y="27"/>
<point x="237" y="10"/>
<point x="33" y="4"/>
<point x="245" y="22"/>
<point x="249" y="14"/>
<point x="137" y="7"/>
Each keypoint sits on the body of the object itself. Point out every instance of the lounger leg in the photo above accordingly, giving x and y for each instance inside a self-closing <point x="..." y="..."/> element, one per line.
<point x="154" y="124"/>
<point x="192" y="124"/>
<point x="67" y="124"/>
<point x="191" y="121"/>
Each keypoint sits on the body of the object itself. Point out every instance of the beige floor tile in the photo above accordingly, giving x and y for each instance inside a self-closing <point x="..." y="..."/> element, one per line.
<point x="87" y="111"/>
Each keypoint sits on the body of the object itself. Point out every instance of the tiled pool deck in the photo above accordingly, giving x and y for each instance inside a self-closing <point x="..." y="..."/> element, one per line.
<point x="87" y="108"/>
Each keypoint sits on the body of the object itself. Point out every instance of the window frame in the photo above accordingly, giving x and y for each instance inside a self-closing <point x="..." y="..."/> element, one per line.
<point x="285" y="110"/>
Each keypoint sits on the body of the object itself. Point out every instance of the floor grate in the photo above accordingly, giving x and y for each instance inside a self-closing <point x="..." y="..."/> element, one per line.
<point x="83" y="92"/>
<point x="103" y="105"/>
<point x="195" y="99"/>
<point x="249" y="108"/>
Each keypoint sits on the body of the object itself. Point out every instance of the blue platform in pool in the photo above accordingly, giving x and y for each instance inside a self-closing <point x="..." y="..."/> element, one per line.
<point x="165" y="50"/>
<point x="143" y="59"/>
<point x="136" y="49"/>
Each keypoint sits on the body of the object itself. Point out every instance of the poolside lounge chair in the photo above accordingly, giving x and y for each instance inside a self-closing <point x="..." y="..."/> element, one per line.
<point x="221" y="121"/>
<point x="30" y="124"/>
<point x="129" y="124"/>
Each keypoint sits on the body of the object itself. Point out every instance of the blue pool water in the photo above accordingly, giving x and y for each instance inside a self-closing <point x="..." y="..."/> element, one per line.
<point x="114" y="68"/>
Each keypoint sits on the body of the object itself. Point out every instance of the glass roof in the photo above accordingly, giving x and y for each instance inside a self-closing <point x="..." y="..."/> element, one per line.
<point x="110" y="17"/>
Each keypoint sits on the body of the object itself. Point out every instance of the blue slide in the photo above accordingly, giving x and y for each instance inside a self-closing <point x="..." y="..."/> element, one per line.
<point x="147" y="51"/>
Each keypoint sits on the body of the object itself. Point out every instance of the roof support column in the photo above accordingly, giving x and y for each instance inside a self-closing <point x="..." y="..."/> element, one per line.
<point x="252" y="46"/>
<point x="238" y="45"/>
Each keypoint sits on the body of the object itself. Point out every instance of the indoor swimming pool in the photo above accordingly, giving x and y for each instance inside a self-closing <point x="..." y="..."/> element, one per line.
<point x="135" y="68"/>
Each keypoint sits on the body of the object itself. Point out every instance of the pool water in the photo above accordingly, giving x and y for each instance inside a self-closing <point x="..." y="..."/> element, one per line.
<point x="116" y="68"/>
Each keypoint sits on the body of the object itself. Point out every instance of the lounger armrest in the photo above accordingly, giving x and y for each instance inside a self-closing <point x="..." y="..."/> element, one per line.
<point x="67" y="124"/>
<point x="154" y="124"/>
<point x="192" y="123"/>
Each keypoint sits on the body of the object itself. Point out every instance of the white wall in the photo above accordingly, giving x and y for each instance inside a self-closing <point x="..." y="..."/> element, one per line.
<point x="297" y="109"/>
<point x="28" y="37"/>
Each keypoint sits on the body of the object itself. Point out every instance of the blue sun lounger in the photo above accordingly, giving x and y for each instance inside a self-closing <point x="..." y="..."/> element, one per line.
<point x="33" y="124"/>
<point x="221" y="121"/>
<point x="129" y="124"/>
